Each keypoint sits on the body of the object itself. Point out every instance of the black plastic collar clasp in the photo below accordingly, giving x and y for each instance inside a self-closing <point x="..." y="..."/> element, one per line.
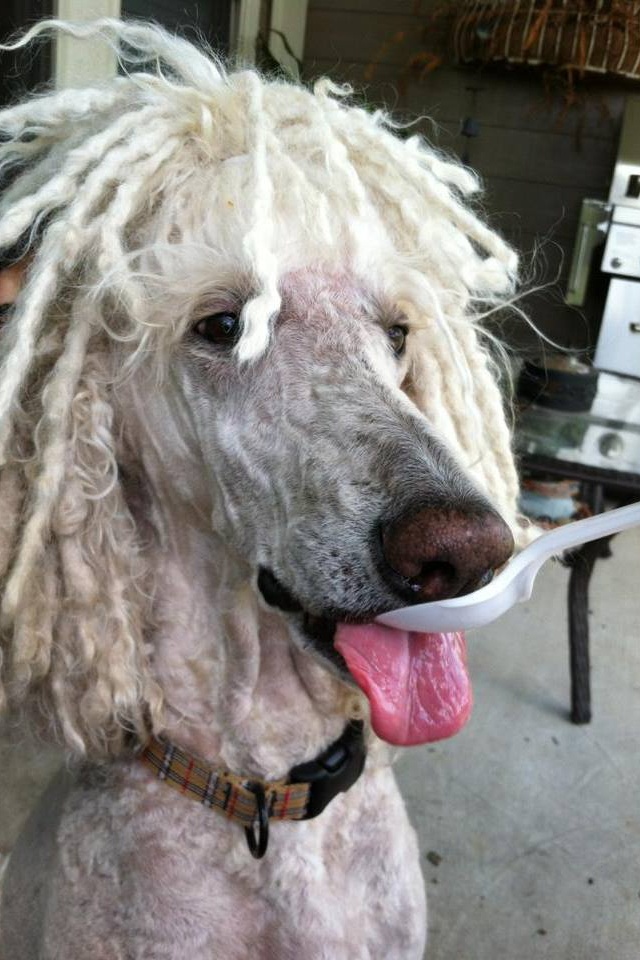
<point x="334" y="771"/>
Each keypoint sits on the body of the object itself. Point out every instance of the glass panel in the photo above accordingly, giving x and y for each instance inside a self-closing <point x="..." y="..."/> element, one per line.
<point x="607" y="436"/>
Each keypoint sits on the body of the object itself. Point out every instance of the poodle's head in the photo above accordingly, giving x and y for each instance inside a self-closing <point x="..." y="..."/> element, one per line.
<point x="248" y="305"/>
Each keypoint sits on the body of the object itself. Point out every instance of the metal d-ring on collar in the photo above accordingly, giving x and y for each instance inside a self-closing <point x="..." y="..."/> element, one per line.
<point x="335" y="770"/>
<point x="258" y="847"/>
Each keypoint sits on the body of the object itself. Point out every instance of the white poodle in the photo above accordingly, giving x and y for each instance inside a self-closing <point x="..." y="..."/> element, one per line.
<point x="244" y="409"/>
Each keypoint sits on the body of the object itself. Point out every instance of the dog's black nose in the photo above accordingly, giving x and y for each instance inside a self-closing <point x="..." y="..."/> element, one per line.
<point x="435" y="553"/>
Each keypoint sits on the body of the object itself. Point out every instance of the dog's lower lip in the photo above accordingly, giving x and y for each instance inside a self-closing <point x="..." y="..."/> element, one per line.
<point x="319" y="629"/>
<point x="321" y="632"/>
<point x="275" y="594"/>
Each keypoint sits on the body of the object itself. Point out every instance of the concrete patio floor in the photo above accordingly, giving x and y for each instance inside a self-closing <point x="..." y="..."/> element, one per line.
<point x="529" y="826"/>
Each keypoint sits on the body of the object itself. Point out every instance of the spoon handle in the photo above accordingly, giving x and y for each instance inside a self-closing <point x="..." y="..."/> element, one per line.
<point x="583" y="531"/>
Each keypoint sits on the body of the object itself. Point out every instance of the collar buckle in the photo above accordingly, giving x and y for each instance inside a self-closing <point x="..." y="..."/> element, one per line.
<point x="334" y="771"/>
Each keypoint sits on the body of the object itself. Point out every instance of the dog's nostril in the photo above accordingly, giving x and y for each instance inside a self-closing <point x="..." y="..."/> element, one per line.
<point x="434" y="579"/>
<point x="485" y="579"/>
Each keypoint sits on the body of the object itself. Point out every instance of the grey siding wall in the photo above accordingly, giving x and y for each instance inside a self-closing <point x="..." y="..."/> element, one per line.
<point x="537" y="161"/>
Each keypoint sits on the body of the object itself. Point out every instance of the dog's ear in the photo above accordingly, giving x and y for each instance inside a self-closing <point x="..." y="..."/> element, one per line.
<point x="73" y="577"/>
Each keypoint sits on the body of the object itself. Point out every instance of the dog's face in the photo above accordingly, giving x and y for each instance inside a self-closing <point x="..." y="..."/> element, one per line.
<point x="314" y="463"/>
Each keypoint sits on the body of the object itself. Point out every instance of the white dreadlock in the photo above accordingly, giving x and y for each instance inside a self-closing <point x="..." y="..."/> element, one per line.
<point x="112" y="191"/>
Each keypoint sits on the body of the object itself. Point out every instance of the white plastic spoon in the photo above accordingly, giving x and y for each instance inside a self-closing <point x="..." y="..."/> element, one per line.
<point x="514" y="583"/>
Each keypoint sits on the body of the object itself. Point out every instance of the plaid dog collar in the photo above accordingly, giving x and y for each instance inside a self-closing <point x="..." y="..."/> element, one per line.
<point x="251" y="802"/>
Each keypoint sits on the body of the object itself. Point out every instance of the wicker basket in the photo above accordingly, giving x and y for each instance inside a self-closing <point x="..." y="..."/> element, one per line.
<point x="573" y="35"/>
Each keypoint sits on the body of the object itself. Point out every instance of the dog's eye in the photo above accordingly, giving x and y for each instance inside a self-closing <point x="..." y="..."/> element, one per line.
<point x="222" y="328"/>
<point x="398" y="337"/>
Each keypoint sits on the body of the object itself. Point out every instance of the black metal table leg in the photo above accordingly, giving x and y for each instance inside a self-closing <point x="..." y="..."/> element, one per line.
<point x="582" y="562"/>
<point x="581" y="570"/>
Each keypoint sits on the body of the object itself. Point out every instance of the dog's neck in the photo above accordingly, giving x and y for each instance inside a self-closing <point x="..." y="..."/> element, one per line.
<point x="237" y="690"/>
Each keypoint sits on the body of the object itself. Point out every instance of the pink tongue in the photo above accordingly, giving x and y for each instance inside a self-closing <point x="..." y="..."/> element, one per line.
<point x="417" y="683"/>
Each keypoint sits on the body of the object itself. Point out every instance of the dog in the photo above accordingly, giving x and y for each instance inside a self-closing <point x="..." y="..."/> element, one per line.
<point x="245" y="408"/>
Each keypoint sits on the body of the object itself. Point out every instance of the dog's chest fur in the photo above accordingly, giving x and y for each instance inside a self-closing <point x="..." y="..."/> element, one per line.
<point x="146" y="873"/>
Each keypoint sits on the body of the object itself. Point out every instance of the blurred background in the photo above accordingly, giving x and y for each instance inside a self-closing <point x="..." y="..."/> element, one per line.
<point x="528" y="821"/>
